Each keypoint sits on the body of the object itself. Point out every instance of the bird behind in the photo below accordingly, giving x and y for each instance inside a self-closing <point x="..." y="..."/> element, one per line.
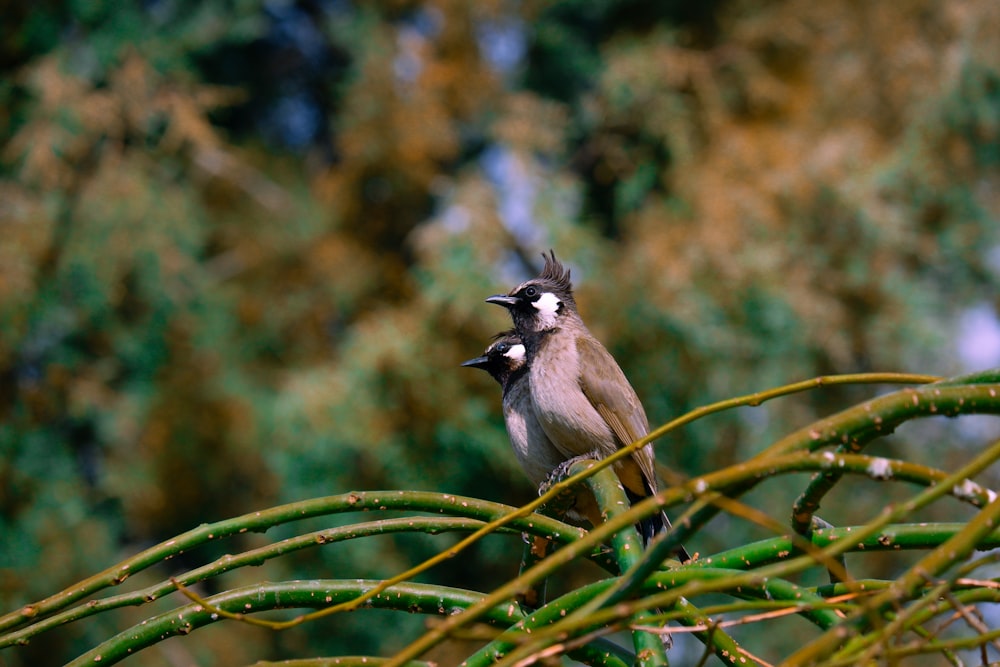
<point x="506" y="361"/>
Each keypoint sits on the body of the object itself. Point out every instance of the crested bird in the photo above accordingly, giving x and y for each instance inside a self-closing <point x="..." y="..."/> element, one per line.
<point x="580" y="395"/>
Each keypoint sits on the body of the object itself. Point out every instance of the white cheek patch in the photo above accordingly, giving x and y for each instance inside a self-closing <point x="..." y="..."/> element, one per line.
<point x="548" y="308"/>
<point x="516" y="352"/>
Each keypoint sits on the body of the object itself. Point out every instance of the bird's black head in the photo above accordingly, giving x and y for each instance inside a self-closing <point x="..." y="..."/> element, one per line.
<point x="503" y="359"/>
<point x="539" y="304"/>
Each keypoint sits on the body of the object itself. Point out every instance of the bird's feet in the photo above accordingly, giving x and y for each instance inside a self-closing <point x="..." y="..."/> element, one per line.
<point x="573" y="503"/>
<point x="561" y="471"/>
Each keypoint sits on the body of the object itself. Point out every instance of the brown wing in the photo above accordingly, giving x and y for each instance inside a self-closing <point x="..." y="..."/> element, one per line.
<point x="605" y="386"/>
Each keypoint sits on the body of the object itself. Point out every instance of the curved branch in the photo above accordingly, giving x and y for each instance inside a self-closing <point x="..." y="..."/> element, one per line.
<point x="261" y="521"/>
<point x="429" y="525"/>
<point x="896" y="537"/>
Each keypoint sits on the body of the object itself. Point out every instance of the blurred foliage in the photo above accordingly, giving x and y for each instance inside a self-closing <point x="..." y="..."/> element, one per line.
<point x="244" y="245"/>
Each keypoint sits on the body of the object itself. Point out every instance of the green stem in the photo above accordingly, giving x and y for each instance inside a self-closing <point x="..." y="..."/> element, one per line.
<point x="631" y="579"/>
<point x="926" y="613"/>
<point x="950" y="552"/>
<point x="563" y="617"/>
<point x="422" y="598"/>
<point x="514" y="636"/>
<point x="721" y="481"/>
<point x="627" y="547"/>
<point x="880" y="416"/>
<point x="428" y="525"/>
<point x="263" y="520"/>
<point x="895" y="537"/>
<point x="870" y="419"/>
<point x="339" y="661"/>
<point x="905" y="587"/>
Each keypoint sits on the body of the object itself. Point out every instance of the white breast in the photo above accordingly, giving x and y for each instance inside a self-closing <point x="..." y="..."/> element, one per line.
<point x="534" y="451"/>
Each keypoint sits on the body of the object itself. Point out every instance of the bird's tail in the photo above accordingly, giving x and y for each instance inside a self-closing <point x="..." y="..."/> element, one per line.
<point x="651" y="526"/>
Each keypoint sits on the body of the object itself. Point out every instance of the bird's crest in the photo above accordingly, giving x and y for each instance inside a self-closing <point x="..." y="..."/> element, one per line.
<point x="556" y="273"/>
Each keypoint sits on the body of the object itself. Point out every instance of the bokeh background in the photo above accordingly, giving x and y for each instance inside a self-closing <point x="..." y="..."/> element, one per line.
<point x="244" y="246"/>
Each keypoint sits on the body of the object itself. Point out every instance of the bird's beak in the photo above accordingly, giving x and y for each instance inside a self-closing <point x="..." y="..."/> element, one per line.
<point x="502" y="300"/>
<point x="478" y="362"/>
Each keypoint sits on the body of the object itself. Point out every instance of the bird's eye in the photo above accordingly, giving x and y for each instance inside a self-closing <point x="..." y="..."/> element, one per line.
<point x="530" y="292"/>
<point x="502" y="348"/>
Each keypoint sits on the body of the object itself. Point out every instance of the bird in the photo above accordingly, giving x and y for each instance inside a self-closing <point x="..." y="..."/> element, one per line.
<point x="579" y="394"/>
<point x="506" y="361"/>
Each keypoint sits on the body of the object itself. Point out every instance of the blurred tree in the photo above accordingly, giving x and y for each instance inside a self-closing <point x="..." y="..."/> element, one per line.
<point x="244" y="245"/>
